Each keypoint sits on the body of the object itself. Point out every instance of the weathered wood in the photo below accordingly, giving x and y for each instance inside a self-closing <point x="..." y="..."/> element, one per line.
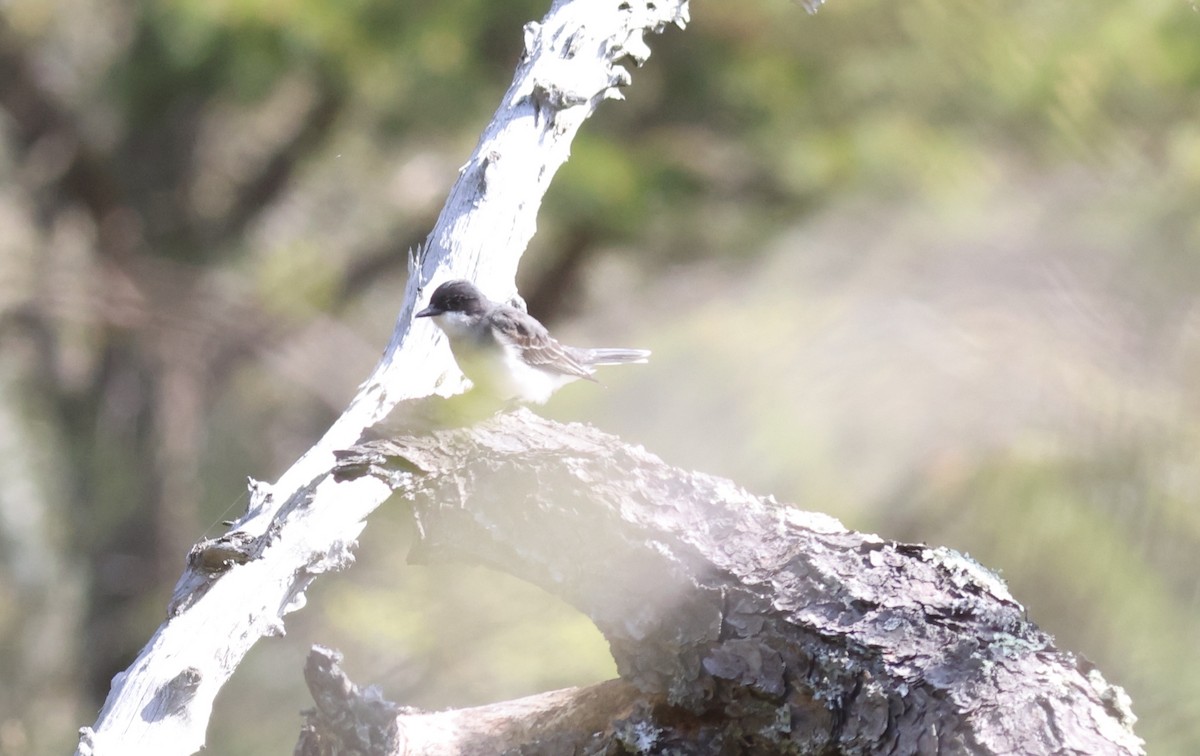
<point x="238" y="588"/>
<point x="349" y="720"/>
<point x="748" y="626"/>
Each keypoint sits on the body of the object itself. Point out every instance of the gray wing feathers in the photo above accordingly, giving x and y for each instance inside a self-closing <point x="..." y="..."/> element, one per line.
<point x="541" y="350"/>
<point x="537" y="346"/>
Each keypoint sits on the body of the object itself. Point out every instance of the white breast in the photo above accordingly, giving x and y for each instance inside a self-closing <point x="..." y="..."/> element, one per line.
<point x="518" y="379"/>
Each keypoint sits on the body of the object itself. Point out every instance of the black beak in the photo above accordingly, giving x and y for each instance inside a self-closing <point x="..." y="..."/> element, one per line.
<point x="429" y="312"/>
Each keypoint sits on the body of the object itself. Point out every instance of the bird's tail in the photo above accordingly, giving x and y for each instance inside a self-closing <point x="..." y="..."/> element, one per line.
<point x="617" y="356"/>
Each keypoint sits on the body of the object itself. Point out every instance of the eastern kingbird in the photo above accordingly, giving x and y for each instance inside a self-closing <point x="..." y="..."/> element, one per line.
<point x="507" y="353"/>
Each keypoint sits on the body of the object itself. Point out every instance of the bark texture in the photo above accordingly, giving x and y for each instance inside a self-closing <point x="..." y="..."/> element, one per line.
<point x="744" y="625"/>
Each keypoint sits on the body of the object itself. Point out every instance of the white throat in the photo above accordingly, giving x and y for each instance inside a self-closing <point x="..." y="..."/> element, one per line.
<point x="458" y="325"/>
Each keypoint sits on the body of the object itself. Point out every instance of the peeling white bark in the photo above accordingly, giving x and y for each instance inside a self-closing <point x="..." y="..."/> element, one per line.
<point x="238" y="588"/>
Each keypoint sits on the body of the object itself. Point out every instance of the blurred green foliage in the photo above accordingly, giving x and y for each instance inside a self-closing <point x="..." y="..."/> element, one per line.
<point x="928" y="266"/>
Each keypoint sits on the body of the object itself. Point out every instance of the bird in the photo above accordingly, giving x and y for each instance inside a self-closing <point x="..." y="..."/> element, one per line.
<point x="506" y="352"/>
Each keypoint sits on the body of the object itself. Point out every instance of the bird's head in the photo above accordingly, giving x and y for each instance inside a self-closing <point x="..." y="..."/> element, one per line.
<point x="455" y="296"/>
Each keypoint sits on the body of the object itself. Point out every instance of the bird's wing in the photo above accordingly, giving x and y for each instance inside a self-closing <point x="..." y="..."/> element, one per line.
<point x="535" y="343"/>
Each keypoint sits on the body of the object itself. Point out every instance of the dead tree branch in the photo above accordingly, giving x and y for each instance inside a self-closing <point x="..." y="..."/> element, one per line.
<point x="745" y="626"/>
<point x="237" y="589"/>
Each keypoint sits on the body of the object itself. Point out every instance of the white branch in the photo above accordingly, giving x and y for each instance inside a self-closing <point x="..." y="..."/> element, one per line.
<point x="238" y="588"/>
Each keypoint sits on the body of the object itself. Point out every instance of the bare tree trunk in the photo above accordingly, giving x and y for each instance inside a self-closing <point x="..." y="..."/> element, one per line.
<point x="238" y="588"/>
<point x="738" y="625"/>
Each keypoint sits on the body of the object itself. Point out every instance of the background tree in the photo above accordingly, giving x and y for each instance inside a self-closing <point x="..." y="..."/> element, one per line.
<point x="962" y="231"/>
